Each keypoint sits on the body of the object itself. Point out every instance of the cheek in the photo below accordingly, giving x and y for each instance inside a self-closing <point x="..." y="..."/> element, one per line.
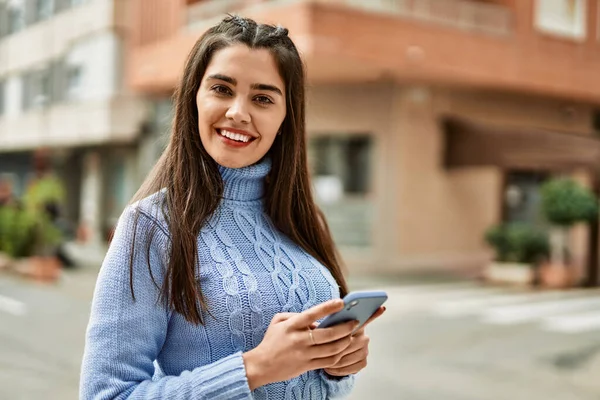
<point x="269" y="125"/>
<point x="209" y="113"/>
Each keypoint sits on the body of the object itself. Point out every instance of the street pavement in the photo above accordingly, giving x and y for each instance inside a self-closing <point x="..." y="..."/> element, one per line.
<point x="439" y="339"/>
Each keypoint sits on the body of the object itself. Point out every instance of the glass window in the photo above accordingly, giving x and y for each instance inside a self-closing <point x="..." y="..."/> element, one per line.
<point x="345" y="157"/>
<point x="522" y="197"/>
<point x="74" y="77"/>
<point x="2" y="97"/>
<point x="16" y="16"/>
<point x="43" y="9"/>
<point x="37" y="87"/>
<point x="342" y="173"/>
<point x="565" y="18"/>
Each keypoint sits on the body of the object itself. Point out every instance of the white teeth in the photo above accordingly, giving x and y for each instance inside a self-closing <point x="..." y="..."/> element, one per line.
<point x="235" y="136"/>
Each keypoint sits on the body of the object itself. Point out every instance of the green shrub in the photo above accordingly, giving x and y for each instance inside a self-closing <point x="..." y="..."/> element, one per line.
<point x="24" y="233"/>
<point x="565" y="202"/>
<point x="518" y="242"/>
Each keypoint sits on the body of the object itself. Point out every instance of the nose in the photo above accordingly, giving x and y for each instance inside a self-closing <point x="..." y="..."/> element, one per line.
<point x="238" y="111"/>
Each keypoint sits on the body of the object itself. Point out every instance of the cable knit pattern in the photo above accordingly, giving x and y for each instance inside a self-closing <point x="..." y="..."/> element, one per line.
<point x="249" y="271"/>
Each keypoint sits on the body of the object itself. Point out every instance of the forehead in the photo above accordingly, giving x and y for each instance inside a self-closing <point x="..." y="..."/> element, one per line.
<point x="247" y="66"/>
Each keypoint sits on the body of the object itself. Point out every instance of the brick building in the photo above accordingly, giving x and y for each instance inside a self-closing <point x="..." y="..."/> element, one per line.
<point x="422" y="113"/>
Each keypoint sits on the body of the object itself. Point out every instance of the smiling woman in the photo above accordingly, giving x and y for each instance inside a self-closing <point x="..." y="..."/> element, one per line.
<point x="221" y="267"/>
<point x="240" y="105"/>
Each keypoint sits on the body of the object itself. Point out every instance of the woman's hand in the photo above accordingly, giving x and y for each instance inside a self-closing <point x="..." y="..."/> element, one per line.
<point x="290" y="347"/>
<point x="355" y="356"/>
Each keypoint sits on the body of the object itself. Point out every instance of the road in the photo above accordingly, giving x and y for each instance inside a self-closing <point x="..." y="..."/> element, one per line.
<point x="451" y="341"/>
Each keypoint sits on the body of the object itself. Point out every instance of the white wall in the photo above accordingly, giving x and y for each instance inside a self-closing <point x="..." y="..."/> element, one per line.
<point x="85" y="36"/>
<point x="13" y="95"/>
<point x="98" y="56"/>
<point x="54" y="37"/>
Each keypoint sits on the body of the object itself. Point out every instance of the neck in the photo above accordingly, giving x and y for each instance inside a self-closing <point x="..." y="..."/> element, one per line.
<point x="247" y="183"/>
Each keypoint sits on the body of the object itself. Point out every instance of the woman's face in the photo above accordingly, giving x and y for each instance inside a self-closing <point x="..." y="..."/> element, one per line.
<point x="241" y="105"/>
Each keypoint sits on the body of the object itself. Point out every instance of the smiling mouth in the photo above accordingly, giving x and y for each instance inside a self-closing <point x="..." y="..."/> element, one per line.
<point x="237" y="137"/>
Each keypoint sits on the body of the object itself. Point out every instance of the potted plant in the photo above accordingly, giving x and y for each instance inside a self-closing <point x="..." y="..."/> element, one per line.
<point x="564" y="203"/>
<point x="518" y="248"/>
<point x="27" y="243"/>
<point x="16" y="232"/>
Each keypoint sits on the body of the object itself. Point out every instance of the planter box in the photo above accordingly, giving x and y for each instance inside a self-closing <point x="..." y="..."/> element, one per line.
<point x="5" y="262"/>
<point x="557" y="276"/>
<point x="42" y="269"/>
<point x="509" y="273"/>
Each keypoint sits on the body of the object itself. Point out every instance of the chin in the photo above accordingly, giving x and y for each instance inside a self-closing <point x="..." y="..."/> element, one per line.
<point x="233" y="161"/>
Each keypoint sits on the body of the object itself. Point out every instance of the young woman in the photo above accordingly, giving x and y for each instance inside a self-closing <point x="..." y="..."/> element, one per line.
<point x="219" y="272"/>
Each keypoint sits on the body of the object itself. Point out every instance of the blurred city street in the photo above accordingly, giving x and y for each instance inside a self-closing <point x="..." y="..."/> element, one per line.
<point x="453" y="147"/>
<point x="438" y="340"/>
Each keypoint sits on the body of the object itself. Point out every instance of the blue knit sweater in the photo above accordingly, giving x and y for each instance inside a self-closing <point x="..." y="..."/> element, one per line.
<point x="248" y="271"/>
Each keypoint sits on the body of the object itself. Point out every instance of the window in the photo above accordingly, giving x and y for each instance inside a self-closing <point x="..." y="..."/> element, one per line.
<point x="345" y="158"/>
<point x="37" y="89"/>
<point x="522" y="197"/>
<point x="341" y="167"/>
<point x="16" y="15"/>
<point x="43" y="9"/>
<point x="74" y="77"/>
<point x="2" y="97"/>
<point x="565" y="18"/>
<point x="3" y="19"/>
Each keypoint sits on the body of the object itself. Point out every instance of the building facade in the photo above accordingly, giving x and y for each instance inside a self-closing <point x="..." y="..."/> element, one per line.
<point x="62" y="88"/>
<point x="422" y="114"/>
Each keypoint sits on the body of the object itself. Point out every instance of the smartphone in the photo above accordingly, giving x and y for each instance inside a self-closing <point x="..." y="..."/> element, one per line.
<point x="358" y="306"/>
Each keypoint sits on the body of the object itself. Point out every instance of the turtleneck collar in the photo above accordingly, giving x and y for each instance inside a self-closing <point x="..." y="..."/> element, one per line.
<point x="247" y="183"/>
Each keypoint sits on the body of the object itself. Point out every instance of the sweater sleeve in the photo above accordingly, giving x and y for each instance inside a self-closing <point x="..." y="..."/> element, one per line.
<point x="338" y="388"/>
<point x="125" y="336"/>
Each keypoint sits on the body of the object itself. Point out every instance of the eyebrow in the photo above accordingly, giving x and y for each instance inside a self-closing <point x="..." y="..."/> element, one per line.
<point x="254" y="86"/>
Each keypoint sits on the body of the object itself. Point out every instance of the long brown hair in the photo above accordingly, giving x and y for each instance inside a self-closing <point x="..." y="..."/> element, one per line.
<point x="192" y="181"/>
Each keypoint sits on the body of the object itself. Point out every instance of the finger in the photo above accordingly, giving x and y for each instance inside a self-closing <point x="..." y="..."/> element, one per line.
<point x="280" y="317"/>
<point x="306" y="318"/>
<point x="351" y="369"/>
<point x="356" y="344"/>
<point x="330" y="349"/>
<point x="372" y="318"/>
<point x="327" y="335"/>
<point x="353" y="358"/>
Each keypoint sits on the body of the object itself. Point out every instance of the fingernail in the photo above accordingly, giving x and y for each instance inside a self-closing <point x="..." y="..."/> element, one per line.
<point x="384" y="308"/>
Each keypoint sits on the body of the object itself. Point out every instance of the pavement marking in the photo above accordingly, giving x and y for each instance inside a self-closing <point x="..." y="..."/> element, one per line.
<point x="529" y="312"/>
<point x="552" y="310"/>
<point x="429" y="287"/>
<point x="470" y="306"/>
<point x="403" y="300"/>
<point x="583" y="322"/>
<point x="12" y="306"/>
<point x="450" y="293"/>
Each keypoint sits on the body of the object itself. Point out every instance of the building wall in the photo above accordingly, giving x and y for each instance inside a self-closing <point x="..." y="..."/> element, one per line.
<point x="425" y="215"/>
<point x="87" y="112"/>
<point x="442" y="213"/>
<point x="359" y="109"/>
<point x="83" y="50"/>
<point x="54" y="37"/>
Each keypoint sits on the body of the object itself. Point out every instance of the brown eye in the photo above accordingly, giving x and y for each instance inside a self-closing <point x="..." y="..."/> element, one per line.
<point x="263" y="100"/>
<point x="220" y="89"/>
